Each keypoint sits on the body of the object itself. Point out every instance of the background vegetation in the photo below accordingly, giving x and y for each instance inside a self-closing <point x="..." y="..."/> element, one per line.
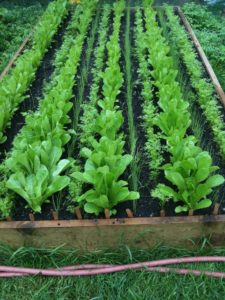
<point x="209" y="26"/>
<point x="16" y="22"/>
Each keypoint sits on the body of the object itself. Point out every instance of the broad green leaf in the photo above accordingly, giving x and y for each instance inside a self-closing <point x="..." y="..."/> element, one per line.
<point x="85" y="152"/>
<point x="61" y="166"/>
<point x="203" y="204"/>
<point x="176" y="178"/>
<point x="204" y="162"/>
<point x="215" y="180"/>
<point x="80" y="176"/>
<point x="201" y="191"/>
<point x="122" y="165"/>
<point x="91" y="208"/>
<point x="58" y="183"/>
<point x="180" y="209"/>
<point x="103" y="201"/>
<point x="14" y="184"/>
<point x="121" y="196"/>
<point x="133" y="196"/>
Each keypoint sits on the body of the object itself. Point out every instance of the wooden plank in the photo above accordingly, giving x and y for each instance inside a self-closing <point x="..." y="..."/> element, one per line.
<point x="203" y="56"/>
<point x="110" y="233"/>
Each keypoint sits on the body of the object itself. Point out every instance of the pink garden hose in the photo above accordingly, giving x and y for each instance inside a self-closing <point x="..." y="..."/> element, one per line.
<point x="94" y="269"/>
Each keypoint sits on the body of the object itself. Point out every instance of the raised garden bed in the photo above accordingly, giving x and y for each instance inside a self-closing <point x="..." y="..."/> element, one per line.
<point x="144" y="224"/>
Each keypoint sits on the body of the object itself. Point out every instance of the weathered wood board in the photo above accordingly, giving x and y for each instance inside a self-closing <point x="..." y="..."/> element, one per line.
<point x="187" y="232"/>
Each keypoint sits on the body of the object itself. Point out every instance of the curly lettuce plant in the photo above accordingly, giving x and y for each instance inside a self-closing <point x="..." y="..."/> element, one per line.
<point x="6" y="197"/>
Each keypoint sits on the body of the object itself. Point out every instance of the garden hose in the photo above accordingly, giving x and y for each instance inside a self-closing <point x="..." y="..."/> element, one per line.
<point x="95" y="269"/>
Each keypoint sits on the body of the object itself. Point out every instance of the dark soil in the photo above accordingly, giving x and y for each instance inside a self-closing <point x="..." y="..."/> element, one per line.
<point x="21" y="213"/>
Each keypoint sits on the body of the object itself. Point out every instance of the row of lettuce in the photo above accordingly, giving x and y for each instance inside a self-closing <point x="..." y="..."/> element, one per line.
<point x="14" y="85"/>
<point x="189" y="168"/>
<point x="35" y="162"/>
<point x="36" y="168"/>
<point x="103" y="147"/>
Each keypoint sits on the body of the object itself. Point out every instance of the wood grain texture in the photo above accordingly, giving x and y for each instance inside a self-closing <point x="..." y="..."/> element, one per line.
<point x="109" y="233"/>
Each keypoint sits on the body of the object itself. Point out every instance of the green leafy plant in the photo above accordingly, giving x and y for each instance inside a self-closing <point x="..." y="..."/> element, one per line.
<point x="190" y="173"/>
<point x="6" y="197"/>
<point x="204" y="89"/>
<point x="153" y="145"/>
<point x="104" y="165"/>
<point x="16" y="23"/>
<point x="210" y="30"/>
<point x="90" y="111"/>
<point x="15" y="84"/>
<point x="37" y="173"/>
<point x="189" y="168"/>
<point x="35" y="161"/>
<point x="105" y="161"/>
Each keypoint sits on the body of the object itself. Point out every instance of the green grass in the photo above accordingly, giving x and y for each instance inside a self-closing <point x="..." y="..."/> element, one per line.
<point x="132" y="285"/>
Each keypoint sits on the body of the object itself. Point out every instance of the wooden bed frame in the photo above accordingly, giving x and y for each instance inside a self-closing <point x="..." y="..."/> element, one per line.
<point x="187" y="231"/>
